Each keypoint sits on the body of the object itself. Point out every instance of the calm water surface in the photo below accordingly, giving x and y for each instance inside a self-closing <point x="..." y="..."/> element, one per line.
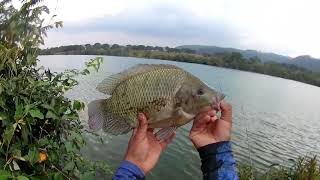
<point x="274" y="119"/>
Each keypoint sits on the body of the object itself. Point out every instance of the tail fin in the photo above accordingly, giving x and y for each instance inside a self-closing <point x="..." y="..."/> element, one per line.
<point x="96" y="115"/>
<point x="100" y="118"/>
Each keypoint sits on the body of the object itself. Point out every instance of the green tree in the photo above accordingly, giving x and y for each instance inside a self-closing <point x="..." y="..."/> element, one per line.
<point x="97" y="46"/>
<point x="41" y="134"/>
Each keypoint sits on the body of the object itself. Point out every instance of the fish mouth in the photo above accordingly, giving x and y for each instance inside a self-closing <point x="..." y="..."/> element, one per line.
<point x="216" y="101"/>
<point x="216" y="107"/>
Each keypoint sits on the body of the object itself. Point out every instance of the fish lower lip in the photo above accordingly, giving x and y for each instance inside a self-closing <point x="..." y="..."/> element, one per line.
<point x="216" y="107"/>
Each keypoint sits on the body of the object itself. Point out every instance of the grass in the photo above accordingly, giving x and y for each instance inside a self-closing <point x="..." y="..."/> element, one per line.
<point x="304" y="168"/>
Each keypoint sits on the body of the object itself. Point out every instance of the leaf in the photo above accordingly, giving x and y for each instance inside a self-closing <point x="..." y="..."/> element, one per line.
<point x="25" y="134"/>
<point x="71" y="116"/>
<point x="58" y="24"/>
<point x="87" y="176"/>
<point x="35" y="113"/>
<point x="1" y="89"/>
<point x="5" y="175"/>
<point x="75" y="135"/>
<point x="51" y="115"/>
<point x="58" y="176"/>
<point x="85" y="72"/>
<point x="16" y="152"/>
<point x="43" y="142"/>
<point x="33" y="155"/>
<point x="69" y="166"/>
<point x="8" y="134"/>
<point x="19" y="111"/>
<point x="69" y="147"/>
<point x="22" y="178"/>
<point x="47" y="106"/>
<point x="30" y="59"/>
<point x="35" y="178"/>
<point x="3" y="116"/>
<point x="13" y="66"/>
<point x="2" y="102"/>
<point x="5" y="172"/>
<point x="77" y="105"/>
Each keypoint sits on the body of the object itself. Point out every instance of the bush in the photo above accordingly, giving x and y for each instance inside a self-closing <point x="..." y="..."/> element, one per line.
<point x="303" y="168"/>
<point x="41" y="134"/>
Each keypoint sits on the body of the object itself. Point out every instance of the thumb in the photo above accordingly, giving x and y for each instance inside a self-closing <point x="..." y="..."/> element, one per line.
<point x="200" y="123"/>
<point x="203" y="118"/>
<point x="143" y="124"/>
<point x="226" y="111"/>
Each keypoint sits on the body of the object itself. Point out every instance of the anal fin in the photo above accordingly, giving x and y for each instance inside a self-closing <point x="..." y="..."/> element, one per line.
<point x="116" y="125"/>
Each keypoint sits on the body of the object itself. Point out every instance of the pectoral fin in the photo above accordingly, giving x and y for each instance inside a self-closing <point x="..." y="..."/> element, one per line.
<point x="180" y="118"/>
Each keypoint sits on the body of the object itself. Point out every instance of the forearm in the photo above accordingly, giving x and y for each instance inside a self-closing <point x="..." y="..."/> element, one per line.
<point x="128" y="171"/>
<point x="217" y="161"/>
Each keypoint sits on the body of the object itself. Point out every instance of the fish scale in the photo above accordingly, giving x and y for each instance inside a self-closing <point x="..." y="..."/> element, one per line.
<point x="142" y="98"/>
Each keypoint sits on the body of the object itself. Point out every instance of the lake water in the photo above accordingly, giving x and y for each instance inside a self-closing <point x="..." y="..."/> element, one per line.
<point x="274" y="119"/>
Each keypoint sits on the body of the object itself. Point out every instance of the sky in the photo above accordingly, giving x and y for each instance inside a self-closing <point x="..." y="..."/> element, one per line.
<point x="288" y="27"/>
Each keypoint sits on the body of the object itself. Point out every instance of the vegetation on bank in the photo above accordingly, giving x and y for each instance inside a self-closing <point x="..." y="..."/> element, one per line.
<point x="40" y="131"/>
<point x="302" y="169"/>
<point x="229" y="60"/>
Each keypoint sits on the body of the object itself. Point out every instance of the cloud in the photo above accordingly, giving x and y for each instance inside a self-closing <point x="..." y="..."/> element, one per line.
<point x="286" y="27"/>
<point x="161" y="22"/>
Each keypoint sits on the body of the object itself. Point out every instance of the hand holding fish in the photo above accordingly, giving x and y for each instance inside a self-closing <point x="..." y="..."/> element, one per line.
<point x="144" y="149"/>
<point x="208" y="129"/>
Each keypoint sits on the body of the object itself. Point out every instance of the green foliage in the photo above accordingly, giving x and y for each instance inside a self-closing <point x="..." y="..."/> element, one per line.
<point x="303" y="168"/>
<point x="41" y="134"/>
<point x="229" y="60"/>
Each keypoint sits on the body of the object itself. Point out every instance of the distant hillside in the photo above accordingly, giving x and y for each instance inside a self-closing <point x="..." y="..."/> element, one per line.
<point x="307" y="62"/>
<point x="302" y="61"/>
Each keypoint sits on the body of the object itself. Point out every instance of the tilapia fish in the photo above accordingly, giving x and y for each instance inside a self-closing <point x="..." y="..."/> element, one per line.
<point x="168" y="95"/>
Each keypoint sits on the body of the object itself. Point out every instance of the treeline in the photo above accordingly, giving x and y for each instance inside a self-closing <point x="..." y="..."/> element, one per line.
<point x="229" y="60"/>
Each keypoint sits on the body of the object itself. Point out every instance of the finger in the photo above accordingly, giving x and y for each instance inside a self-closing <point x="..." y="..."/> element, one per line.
<point x="204" y="119"/>
<point x="197" y="123"/>
<point x="167" y="141"/>
<point x="213" y="119"/>
<point x="134" y="132"/>
<point x="203" y="114"/>
<point x="150" y="131"/>
<point x="226" y="111"/>
<point x="143" y="124"/>
<point x="205" y="109"/>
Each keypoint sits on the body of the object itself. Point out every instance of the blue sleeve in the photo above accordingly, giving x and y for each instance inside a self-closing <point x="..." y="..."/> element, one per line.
<point x="218" y="162"/>
<point x="128" y="171"/>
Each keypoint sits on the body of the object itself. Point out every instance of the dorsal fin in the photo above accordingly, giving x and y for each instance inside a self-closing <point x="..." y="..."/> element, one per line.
<point x="108" y="85"/>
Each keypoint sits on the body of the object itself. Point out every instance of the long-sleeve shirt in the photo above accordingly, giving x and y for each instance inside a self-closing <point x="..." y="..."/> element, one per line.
<point x="128" y="171"/>
<point x="217" y="163"/>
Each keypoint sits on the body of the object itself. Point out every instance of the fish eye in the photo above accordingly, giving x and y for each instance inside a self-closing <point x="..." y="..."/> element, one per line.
<point x="200" y="92"/>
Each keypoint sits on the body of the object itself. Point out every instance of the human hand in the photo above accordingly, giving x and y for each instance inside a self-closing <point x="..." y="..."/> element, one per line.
<point x="144" y="149"/>
<point x="208" y="129"/>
